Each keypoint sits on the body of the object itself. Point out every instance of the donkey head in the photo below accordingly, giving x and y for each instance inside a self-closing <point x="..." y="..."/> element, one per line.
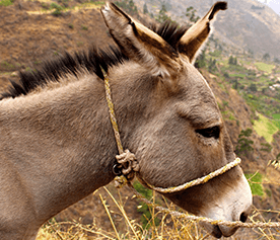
<point x="169" y="118"/>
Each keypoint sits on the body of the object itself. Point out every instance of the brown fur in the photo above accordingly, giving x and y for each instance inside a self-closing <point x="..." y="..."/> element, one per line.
<point x="191" y="43"/>
<point x="58" y="146"/>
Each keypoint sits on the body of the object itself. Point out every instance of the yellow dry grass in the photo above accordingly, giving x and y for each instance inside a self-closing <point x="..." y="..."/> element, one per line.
<point x="169" y="227"/>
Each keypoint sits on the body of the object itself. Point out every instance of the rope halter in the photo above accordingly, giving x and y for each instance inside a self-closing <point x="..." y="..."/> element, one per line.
<point x="127" y="164"/>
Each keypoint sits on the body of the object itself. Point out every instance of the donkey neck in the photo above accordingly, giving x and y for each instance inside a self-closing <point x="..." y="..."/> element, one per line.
<point x="61" y="143"/>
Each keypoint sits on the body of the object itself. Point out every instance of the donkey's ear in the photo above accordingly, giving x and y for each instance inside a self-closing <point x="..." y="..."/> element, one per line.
<point x="140" y="43"/>
<point x="193" y="39"/>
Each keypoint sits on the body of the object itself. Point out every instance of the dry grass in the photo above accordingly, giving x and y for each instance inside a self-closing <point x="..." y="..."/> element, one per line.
<point x="169" y="227"/>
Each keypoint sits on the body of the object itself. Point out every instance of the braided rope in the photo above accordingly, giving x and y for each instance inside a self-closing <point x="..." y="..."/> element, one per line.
<point x="122" y="180"/>
<point x="113" y="116"/>
<point x="197" y="181"/>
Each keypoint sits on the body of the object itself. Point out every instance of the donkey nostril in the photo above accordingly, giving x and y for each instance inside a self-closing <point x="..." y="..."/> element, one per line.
<point x="243" y="217"/>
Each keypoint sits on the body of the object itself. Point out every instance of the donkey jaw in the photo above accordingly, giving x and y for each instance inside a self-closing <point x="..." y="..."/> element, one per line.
<point x="240" y="199"/>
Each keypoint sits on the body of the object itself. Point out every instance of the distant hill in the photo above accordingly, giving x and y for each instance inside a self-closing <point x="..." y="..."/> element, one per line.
<point x="247" y="24"/>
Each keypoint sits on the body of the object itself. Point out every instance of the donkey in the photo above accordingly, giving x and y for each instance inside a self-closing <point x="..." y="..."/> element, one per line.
<point x="57" y="143"/>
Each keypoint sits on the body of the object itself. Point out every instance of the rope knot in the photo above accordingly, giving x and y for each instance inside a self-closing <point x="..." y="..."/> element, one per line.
<point x="129" y="164"/>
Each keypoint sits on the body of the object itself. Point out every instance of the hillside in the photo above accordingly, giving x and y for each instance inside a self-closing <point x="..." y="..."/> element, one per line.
<point x="32" y="34"/>
<point x="246" y="25"/>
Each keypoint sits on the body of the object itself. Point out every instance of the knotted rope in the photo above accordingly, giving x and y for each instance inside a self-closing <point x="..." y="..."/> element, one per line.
<point x="129" y="165"/>
<point x="126" y="160"/>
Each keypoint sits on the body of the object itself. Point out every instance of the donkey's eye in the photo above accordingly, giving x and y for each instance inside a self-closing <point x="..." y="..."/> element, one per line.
<point x="209" y="132"/>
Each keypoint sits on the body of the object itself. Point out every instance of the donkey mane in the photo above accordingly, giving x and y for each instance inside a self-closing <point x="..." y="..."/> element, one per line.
<point x="96" y="61"/>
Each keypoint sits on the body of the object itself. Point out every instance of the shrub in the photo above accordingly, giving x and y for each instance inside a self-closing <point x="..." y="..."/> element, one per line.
<point x="266" y="147"/>
<point x="144" y="208"/>
<point x="255" y="182"/>
<point x="84" y="27"/>
<point x="253" y="87"/>
<point x="232" y="60"/>
<point x="6" y="3"/>
<point x="244" y="145"/>
<point x="58" y="9"/>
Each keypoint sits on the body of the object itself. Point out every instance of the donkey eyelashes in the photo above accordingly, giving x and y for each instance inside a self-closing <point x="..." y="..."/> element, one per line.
<point x="209" y="132"/>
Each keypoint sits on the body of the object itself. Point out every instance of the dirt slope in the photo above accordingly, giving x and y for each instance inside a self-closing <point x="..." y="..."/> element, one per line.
<point x="28" y="38"/>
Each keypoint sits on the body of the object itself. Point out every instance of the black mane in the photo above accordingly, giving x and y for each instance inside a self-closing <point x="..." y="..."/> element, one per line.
<point x="94" y="61"/>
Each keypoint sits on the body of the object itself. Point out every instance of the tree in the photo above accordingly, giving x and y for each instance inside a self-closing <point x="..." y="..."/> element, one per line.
<point x="201" y="60"/>
<point x="163" y="9"/>
<point x="162" y="17"/>
<point x="232" y="60"/>
<point x="212" y="65"/>
<point x="266" y="57"/>
<point x="145" y="9"/>
<point x="191" y="14"/>
<point x="235" y="84"/>
<point x="277" y="60"/>
<point x="253" y="87"/>
<point x="244" y="145"/>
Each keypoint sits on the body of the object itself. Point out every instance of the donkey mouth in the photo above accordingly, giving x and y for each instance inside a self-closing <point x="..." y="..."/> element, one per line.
<point x="216" y="232"/>
<point x="221" y="231"/>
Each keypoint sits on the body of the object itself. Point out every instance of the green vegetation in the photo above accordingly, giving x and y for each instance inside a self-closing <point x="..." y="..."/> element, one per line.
<point x="232" y="60"/>
<point x="212" y="67"/>
<point x="6" y="3"/>
<point x="145" y="9"/>
<point x="266" y="147"/>
<point x="264" y="67"/>
<point x="228" y="115"/>
<point x="84" y="27"/>
<point x="162" y="16"/>
<point x="144" y="208"/>
<point x="201" y="60"/>
<point x="128" y="6"/>
<point x="7" y="66"/>
<point x="265" y="127"/>
<point x="276" y="121"/>
<point x="244" y="144"/>
<point x="251" y="83"/>
<point x="57" y="9"/>
<point x="255" y="182"/>
<point x="191" y="14"/>
<point x="28" y="69"/>
<point x="101" y="3"/>
<point x="266" y="57"/>
<point x="216" y="53"/>
<point x="262" y="103"/>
